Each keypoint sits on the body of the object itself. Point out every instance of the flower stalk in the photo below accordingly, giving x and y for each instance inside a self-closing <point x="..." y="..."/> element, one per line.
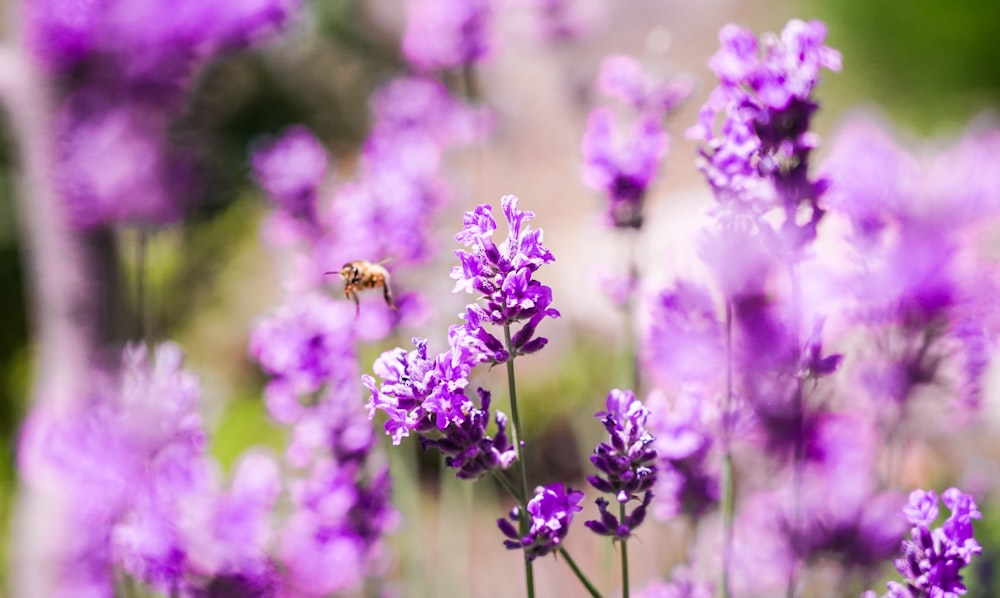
<point x="518" y="435"/>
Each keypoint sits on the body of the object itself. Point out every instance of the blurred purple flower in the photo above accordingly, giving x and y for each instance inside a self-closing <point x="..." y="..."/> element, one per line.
<point x="128" y="65"/>
<point x="620" y="162"/>
<point x="399" y="186"/>
<point x="332" y="538"/>
<point x="444" y="34"/>
<point x="765" y="97"/>
<point x="681" y="585"/>
<point x="308" y="349"/>
<point x="623" y="78"/>
<point x="565" y="20"/>
<point x="149" y="41"/>
<point x="114" y="164"/>
<point x="684" y="436"/>
<point x="920" y="280"/>
<point x="126" y="462"/>
<point x="840" y="511"/>
<point x="291" y="168"/>
<point x="550" y="512"/>
<point x="228" y="534"/>
<point x="684" y="341"/>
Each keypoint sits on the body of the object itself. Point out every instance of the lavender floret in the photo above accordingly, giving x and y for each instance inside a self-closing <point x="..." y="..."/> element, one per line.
<point x="551" y="512"/>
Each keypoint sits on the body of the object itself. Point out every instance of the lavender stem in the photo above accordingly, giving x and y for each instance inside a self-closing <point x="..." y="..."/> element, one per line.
<point x="515" y="418"/>
<point x="621" y="517"/>
<point x="728" y="503"/>
<point x="579" y="574"/>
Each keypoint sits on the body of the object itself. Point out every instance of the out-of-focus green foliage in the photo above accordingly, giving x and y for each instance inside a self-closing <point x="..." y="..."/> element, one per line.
<point x="931" y="64"/>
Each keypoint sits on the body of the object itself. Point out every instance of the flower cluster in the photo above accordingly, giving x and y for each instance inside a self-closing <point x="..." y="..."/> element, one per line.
<point x="504" y="275"/>
<point x="427" y="395"/>
<point x="308" y="349"/>
<point x="765" y="97"/>
<point x="933" y="559"/>
<point x="550" y="513"/>
<point x="686" y="480"/>
<point x="291" y="169"/>
<point x="626" y="464"/>
<point x="118" y="161"/>
<point x="418" y="393"/>
<point x="341" y="511"/>
<point x="448" y="33"/>
<point x="913" y="230"/>
<point x="468" y="449"/>
<point x="619" y="162"/>
<point x="139" y="488"/>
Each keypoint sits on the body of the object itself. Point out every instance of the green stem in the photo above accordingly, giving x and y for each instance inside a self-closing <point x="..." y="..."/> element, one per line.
<point x="621" y="515"/>
<point x="140" y="285"/>
<point x="579" y="574"/>
<point x="631" y="351"/>
<point x="728" y="502"/>
<point x="509" y="487"/>
<point x="516" y="420"/>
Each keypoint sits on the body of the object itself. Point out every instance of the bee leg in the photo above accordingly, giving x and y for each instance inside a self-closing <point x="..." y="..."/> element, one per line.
<point x="357" y="304"/>
<point x="387" y="294"/>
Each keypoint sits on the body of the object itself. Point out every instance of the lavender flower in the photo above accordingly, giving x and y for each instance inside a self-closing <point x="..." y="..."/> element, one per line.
<point x="684" y="437"/>
<point x="420" y="393"/>
<point x="152" y="42"/>
<point x="682" y="584"/>
<point x="910" y="223"/>
<point x="308" y="348"/>
<point x="399" y="187"/>
<point x="427" y="397"/>
<point x="684" y="341"/>
<point x="551" y="512"/>
<point x="291" y="169"/>
<point x="620" y="162"/>
<point x="760" y="157"/>
<point x="117" y="162"/>
<point x="333" y="536"/>
<point x="626" y="464"/>
<point x="448" y="33"/>
<point x="504" y="274"/>
<point x="227" y="533"/>
<point x="127" y="461"/>
<point x="468" y="449"/>
<point x="933" y="559"/>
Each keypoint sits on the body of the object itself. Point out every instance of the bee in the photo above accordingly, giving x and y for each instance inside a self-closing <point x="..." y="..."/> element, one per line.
<point x="360" y="275"/>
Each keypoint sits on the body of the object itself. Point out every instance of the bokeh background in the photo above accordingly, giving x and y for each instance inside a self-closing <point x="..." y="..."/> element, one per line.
<point x="929" y="68"/>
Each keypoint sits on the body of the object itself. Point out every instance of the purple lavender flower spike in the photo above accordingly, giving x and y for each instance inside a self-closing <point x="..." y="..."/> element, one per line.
<point x="684" y="437"/>
<point x="933" y="559"/>
<point x="625" y="463"/>
<point x="306" y="347"/>
<point x="332" y="537"/>
<point x="448" y="33"/>
<point x="551" y="512"/>
<point x="419" y="393"/>
<point x="291" y="169"/>
<point x="504" y="274"/>
<point x="760" y="156"/>
<point x="118" y="162"/>
<point x="468" y="449"/>
<point x="621" y="160"/>
<point x="622" y="164"/>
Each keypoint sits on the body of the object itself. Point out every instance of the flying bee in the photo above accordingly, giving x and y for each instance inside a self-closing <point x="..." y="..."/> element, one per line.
<point x="361" y="275"/>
